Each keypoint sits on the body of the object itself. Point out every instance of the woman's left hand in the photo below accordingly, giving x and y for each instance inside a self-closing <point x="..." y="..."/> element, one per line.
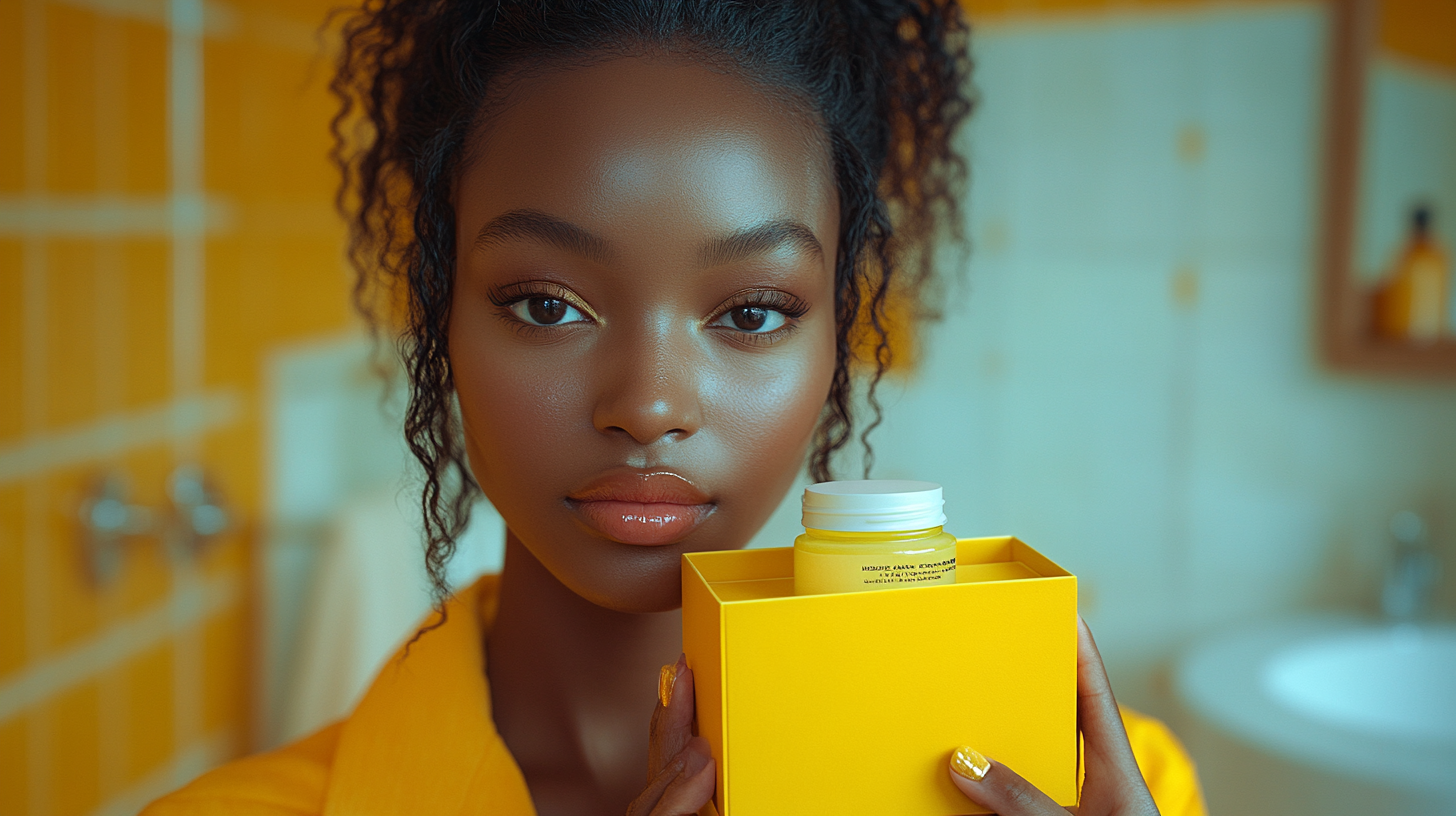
<point x="681" y="775"/>
<point x="1113" y="785"/>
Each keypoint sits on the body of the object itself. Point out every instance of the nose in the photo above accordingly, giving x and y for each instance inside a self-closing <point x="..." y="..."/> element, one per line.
<point x="650" y="386"/>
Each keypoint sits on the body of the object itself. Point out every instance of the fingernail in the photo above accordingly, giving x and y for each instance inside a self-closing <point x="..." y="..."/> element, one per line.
<point x="969" y="763"/>
<point x="666" y="679"/>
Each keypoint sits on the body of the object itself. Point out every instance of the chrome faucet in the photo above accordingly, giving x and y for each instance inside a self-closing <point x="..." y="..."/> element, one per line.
<point x="1411" y="578"/>
<point x="109" y="519"/>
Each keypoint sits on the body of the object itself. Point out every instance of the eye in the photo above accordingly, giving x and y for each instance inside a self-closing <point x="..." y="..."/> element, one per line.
<point x="544" y="310"/>
<point x="752" y="319"/>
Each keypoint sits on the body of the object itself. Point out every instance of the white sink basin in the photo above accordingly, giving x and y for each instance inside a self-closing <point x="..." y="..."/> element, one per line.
<point x="1351" y="697"/>
<point x="1397" y="682"/>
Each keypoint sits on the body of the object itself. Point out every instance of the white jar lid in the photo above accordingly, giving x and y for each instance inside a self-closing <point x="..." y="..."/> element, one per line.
<point x="873" y="506"/>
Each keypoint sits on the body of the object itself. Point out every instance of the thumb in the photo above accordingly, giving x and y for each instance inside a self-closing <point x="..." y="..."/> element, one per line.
<point x="672" y="720"/>
<point x="996" y="787"/>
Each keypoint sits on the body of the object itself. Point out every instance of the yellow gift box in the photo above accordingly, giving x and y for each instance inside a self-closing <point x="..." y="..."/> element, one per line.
<point x="850" y="704"/>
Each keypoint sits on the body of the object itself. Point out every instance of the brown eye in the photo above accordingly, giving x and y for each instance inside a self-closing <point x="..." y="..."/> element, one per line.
<point x="544" y="310"/>
<point x="752" y="319"/>
<point x="749" y="318"/>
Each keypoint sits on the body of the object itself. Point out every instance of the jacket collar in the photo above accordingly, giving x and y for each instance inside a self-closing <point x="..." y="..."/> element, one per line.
<point x="422" y="738"/>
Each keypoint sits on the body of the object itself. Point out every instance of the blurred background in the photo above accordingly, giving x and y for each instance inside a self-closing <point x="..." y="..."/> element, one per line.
<point x="1200" y="353"/>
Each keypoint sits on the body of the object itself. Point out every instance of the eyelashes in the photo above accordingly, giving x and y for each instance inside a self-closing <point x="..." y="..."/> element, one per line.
<point x="504" y="296"/>
<point x="760" y="316"/>
<point x="539" y="306"/>
<point x="545" y="308"/>
<point x="776" y="299"/>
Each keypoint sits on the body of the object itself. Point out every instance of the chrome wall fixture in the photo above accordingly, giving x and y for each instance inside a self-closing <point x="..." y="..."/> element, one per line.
<point x="1410" y="581"/>
<point x="109" y="521"/>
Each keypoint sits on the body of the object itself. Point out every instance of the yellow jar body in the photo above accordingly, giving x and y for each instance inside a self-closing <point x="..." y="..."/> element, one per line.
<point x="827" y="561"/>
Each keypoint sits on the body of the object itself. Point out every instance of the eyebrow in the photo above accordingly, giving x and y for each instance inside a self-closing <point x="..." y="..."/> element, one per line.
<point x="535" y="225"/>
<point x="547" y="229"/>
<point x="760" y="240"/>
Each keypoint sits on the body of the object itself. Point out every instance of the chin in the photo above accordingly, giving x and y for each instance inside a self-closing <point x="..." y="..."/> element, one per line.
<point x="620" y="577"/>
<point x="657" y="589"/>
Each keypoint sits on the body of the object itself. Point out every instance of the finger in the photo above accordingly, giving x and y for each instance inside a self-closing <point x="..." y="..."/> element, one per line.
<point x="1097" y="712"/>
<point x="688" y="762"/>
<point x="672" y="720"/>
<point x="693" y="787"/>
<point x="648" y="799"/>
<point x="1113" y="782"/>
<point x="996" y="787"/>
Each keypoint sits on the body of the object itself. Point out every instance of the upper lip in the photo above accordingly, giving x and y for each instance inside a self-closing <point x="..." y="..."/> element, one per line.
<point x="644" y="486"/>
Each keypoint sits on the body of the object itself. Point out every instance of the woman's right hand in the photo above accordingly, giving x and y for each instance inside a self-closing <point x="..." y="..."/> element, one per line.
<point x="680" y="771"/>
<point x="1114" y="785"/>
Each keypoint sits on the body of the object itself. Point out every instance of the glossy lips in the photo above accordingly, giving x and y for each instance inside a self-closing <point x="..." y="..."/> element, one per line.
<point x="640" y="507"/>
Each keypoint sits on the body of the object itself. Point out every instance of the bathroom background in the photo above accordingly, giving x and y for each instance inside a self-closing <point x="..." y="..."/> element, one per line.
<point x="1127" y="376"/>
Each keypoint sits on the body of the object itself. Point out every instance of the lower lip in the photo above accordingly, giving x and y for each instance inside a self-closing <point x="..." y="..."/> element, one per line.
<point x="647" y="524"/>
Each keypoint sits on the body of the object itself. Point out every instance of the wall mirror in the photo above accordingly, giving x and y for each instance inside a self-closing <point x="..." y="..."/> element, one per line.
<point x="1388" y="298"/>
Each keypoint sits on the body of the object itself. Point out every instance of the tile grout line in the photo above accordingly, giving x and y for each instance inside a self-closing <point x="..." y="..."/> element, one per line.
<point x="108" y="215"/>
<point x="36" y="606"/>
<point x="118" y="434"/>
<point x="185" y="145"/>
<point x="110" y="338"/>
<point x="185" y="152"/>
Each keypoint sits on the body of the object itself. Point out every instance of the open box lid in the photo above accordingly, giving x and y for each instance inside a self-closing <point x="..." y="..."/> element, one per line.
<point x="737" y="576"/>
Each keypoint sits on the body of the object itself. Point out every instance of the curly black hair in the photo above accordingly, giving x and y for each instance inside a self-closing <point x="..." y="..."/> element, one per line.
<point x="887" y="81"/>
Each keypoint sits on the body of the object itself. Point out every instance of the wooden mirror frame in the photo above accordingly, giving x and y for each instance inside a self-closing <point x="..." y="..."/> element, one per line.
<point x="1345" y="341"/>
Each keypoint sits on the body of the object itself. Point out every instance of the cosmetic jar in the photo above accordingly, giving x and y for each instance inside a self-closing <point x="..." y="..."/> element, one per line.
<point x="873" y="534"/>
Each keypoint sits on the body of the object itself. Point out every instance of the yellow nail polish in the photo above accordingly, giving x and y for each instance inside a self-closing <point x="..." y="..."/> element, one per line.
<point x="666" y="679"/>
<point x="969" y="763"/>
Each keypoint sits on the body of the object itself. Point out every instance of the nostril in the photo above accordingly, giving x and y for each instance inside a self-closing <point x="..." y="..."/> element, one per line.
<point x="647" y="437"/>
<point x="649" y="408"/>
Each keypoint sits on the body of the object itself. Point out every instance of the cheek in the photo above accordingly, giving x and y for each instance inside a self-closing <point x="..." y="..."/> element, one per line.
<point x="771" y="408"/>
<point x="765" y="417"/>
<point x="512" y="405"/>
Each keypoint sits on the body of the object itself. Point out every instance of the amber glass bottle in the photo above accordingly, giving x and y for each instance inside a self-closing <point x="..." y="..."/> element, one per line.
<point x="1411" y="305"/>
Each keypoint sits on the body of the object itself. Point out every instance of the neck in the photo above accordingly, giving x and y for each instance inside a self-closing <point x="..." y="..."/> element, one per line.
<point x="573" y="686"/>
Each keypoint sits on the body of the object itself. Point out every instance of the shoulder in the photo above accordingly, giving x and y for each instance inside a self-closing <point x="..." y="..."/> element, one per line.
<point x="290" y="781"/>
<point x="1166" y="766"/>
<point x="386" y="755"/>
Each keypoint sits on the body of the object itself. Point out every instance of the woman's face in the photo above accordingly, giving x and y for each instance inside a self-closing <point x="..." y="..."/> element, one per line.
<point x="642" y="330"/>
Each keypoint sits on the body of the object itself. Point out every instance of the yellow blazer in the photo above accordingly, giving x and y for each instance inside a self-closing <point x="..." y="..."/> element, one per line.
<point x="423" y="741"/>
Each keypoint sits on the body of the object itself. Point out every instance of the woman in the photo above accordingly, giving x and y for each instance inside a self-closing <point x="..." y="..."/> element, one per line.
<point x="637" y="244"/>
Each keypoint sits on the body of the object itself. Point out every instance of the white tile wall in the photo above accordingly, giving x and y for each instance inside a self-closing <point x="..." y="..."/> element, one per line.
<point x="1193" y="462"/>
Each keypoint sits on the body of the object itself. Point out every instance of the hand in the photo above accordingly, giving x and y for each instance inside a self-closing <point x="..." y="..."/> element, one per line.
<point x="680" y="771"/>
<point x="1113" y="785"/>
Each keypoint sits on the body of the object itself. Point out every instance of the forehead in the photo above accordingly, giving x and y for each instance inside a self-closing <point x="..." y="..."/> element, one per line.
<point x="637" y="140"/>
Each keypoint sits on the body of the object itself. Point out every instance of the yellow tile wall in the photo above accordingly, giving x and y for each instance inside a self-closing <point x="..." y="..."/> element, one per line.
<point x="12" y="591"/>
<point x="75" y="749"/>
<point x="12" y="177"/>
<point x="150" y="725"/>
<point x="11" y="311"/>
<point x="112" y="694"/>
<point x="13" y="780"/>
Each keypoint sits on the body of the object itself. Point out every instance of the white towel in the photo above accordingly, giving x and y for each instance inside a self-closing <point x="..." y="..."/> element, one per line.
<point x="368" y="594"/>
